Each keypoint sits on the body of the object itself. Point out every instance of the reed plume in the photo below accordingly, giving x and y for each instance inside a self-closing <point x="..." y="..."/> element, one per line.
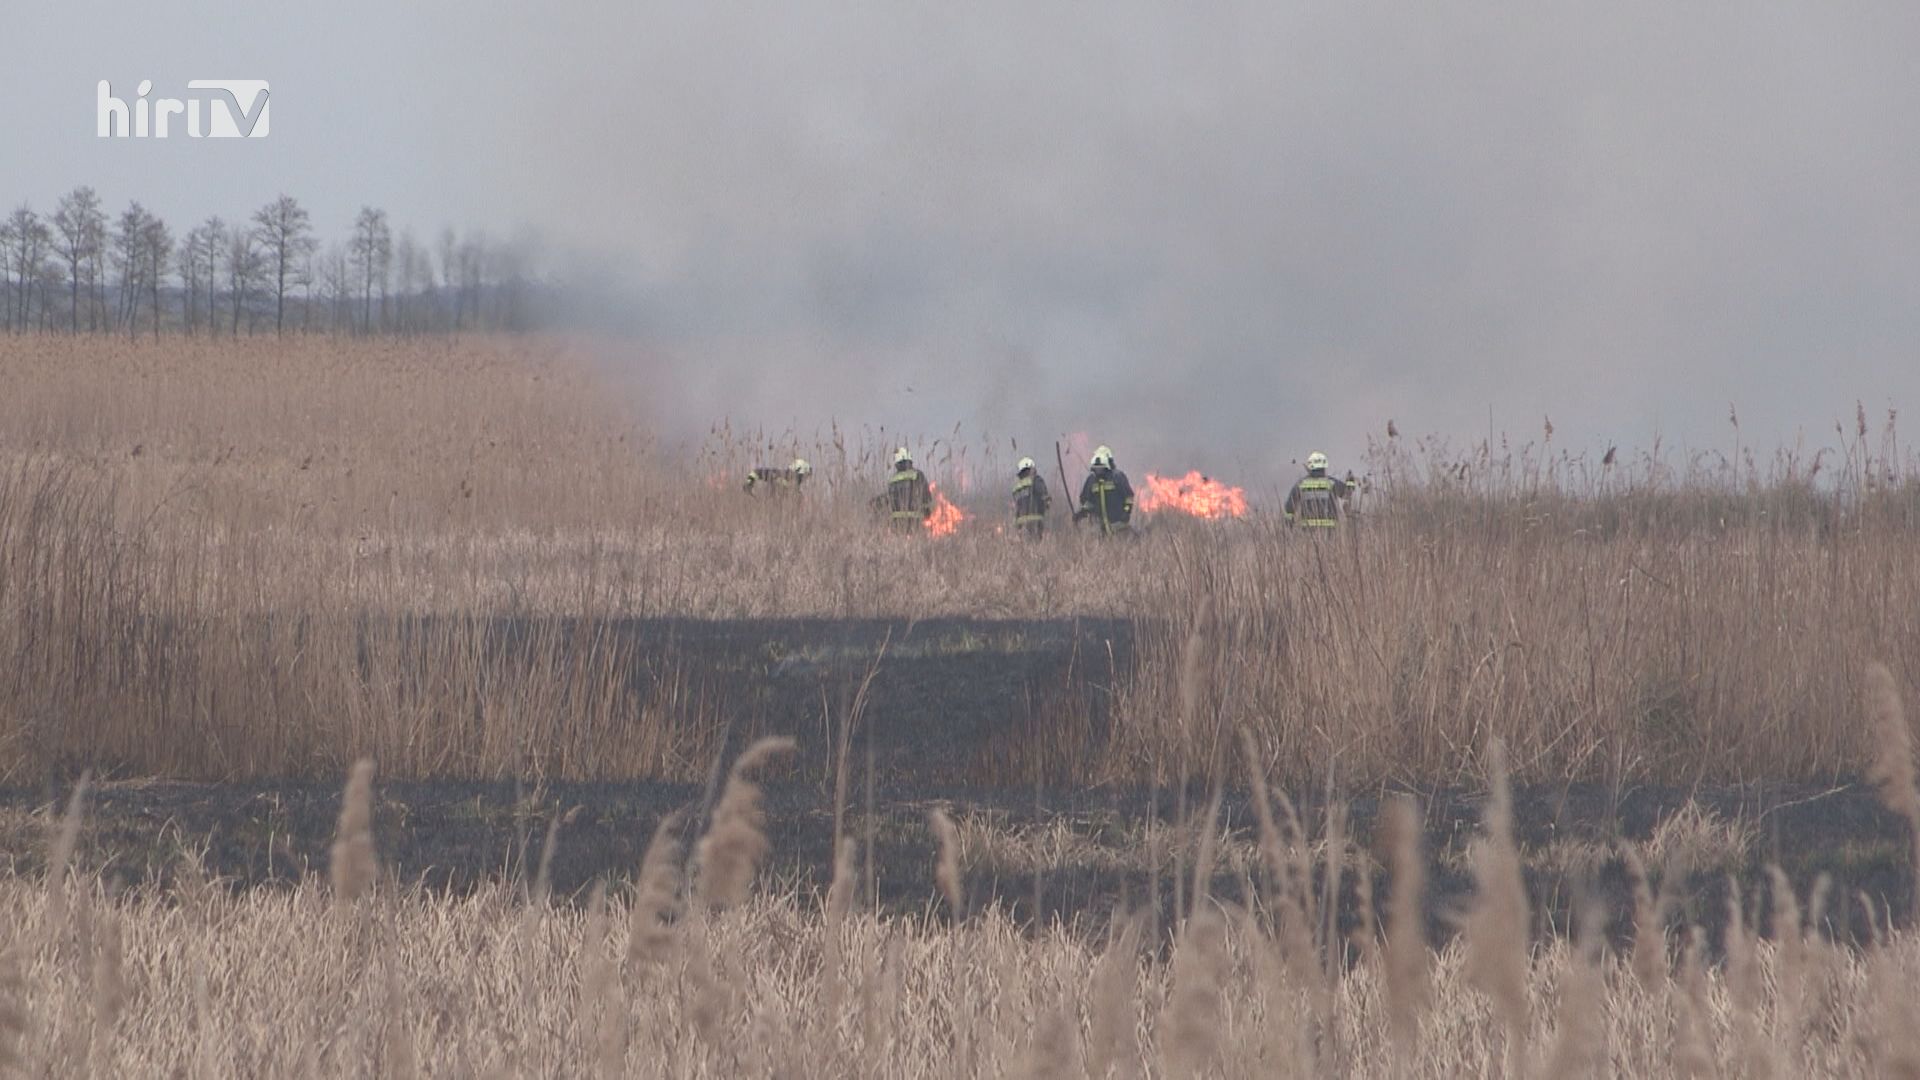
<point x="352" y="866"/>
<point x="1892" y="770"/>
<point x="1496" y="927"/>
<point x="1408" y="983"/>
<point x="946" y="870"/>
<point x="1190" y="1024"/>
<point x="650" y="933"/>
<point x="736" y="841"/>
<point x="1649" y="962"/>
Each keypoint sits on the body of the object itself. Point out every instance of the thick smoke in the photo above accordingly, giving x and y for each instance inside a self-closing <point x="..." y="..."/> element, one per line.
<point x="1225" y="237"/>
<point x="1215" y="237"/>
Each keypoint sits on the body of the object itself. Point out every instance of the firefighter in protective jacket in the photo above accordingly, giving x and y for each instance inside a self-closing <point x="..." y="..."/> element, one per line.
<point x="1031" y="500"/>
<point x="780" y="482"/>
<point x="1106" y="498"/>
<point x="908" y="500"/>
<point x="1316" y="498"/>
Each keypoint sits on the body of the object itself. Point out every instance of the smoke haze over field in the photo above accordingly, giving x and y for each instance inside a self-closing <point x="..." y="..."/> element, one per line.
<point x="1209" y="239"/>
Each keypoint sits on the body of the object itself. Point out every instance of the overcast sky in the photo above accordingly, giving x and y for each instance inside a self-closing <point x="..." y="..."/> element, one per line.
<point x="1218" y="234"/>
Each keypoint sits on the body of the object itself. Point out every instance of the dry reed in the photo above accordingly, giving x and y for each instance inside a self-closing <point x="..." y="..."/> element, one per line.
<point x="1408" y="981"/>
<point x="304" y="548"/>
<point x="933" y="995"/>
<point x="109" y="984"/>
<point x="1892" y="768"/>
<point x="603" y="1008"/>
<point x="946" y="869"/>
<point x="1190" y="1025"/>
<point x="656" y="893"/>
<point x="66" y="836"/>
<point x="1649" y="962"/>
<point x="1112" y="1048"/>
<point x="1694" y="1055"/>
<point x="1497" y="928"/>
<point x="351" y="863"/>
<point x="13" y="1009"/>
<point x="277" y="558"/>
<point x="736" y="841"/>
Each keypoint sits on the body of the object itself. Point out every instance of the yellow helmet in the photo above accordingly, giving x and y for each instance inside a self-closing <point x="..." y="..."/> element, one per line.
<point x="902" y="457"/>
<point x="1316" y="462"/>
<point x="802" y="467"/>
<point x="1103" y="457"/>
<point x="1025" y="464"/>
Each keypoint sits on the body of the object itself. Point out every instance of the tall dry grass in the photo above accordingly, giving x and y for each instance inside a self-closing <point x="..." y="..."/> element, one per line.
<point x="499" y="981"/>
<point x="261" y="559"/>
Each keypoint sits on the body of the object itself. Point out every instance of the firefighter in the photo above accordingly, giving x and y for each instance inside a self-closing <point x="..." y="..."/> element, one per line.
<point x="1106" y="497"/>
<point x="908" y="500"/>
<point x="1031" y="501"/>
<point x="1316" y="498"/>
<point x="781" y="482"/>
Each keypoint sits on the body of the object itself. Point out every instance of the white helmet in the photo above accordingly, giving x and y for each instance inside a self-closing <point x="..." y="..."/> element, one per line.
<point x="1025" y="464"/>
<point x="902" y="457"/>
<point x="802" y="467"/>
<point x="1316" y="462"/>
<point x="1103" y="457"/>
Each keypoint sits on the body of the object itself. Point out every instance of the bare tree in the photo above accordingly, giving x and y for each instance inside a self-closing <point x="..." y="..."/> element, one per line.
<point x="97" y="257"/>
<point x="156" y="249"/>
<point x="286" y="239"/>
<point x="455" y="281"/>
<point x="9" y="237"/>
<point x="186" y="266"/>
<point x="409" y="258"/>
<point x="305" y="277"/>
<point x="449" y="253"/>
<point x="25" y="246"/>
<point x="52" y="278"/>
<point x="196" y="264"/>
<point x="474" y="259"/>
<point x="213" y="245"/>
<point x="81" y="229"/>
<point x="31" y="238"/>
<point x="243" y="273"/>
<point x="129" y="249"/>
<point x="336" y="288"/>
<point x="372" y="248"/>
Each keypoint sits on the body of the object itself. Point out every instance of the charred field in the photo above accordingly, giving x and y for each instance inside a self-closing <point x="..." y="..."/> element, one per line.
<point x="219" y="599"/>
<point x="1636" y="703"/>
<point x="924" y="714"/>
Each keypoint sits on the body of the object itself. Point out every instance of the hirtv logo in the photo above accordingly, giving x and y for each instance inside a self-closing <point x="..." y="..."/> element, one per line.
<point x="222" y="109"/>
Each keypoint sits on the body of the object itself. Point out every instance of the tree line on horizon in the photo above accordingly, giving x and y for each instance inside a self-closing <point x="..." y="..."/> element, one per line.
<point x="82" y="270"/>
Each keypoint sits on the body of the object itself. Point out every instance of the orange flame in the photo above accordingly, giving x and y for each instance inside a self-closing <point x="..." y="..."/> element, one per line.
<point x="946" y="517"/>
<point x="1193" y="494"/>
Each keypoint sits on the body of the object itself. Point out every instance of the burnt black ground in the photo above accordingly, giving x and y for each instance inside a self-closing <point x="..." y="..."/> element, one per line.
<point x="951" y="700"/>
<point x="955" y="708"/>
<point x="454" y="836"/>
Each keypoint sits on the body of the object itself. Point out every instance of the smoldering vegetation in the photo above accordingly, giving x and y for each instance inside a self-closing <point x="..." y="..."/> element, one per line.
<point x="468" y="562"/>
<point x="787" y="747"/>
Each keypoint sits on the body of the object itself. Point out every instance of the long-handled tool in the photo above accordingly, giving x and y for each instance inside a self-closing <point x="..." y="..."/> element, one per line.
<point x="1066" y="489"/>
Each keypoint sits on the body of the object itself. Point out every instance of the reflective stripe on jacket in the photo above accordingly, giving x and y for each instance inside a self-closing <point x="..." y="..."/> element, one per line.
<point x="908" y="496"/>
<point x="1107" y="497"/>
<point x="1031" y="501"/>
<point x="781" y="481"/>
<point x="1315" y="501"/>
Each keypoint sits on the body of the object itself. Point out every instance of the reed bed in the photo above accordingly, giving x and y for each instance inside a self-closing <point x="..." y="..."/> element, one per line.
<point x="244" y="559"/>
<point x="695" y="971"/>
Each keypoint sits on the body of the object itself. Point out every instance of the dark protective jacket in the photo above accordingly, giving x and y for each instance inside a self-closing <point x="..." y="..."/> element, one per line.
<point x="1315" y="501"/>
<point x="1031" y="501"/>
<point x="908" y="500"/>
<point x="778" y="481"/>
<point x="1107" y="498"/>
